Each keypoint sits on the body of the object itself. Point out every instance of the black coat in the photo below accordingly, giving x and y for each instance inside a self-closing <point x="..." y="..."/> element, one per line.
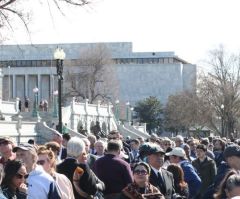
<point x="169" y="190"/>
<point x="89" y="183"/>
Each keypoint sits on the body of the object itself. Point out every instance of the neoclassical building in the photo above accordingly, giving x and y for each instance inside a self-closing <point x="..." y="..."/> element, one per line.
<point x="140" y="74"/>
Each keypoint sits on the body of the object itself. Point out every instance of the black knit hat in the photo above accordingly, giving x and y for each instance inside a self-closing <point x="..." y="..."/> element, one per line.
<point x="232" y="150"/>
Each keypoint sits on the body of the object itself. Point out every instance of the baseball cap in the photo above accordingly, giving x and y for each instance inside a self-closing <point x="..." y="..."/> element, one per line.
<point x="177" y="151"/>
<point x="25" y="147"/>
<point x="154" y="148"/>
<point x="231" y="150"/>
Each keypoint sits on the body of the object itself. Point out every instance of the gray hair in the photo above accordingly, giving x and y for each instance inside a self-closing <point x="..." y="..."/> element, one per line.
<point x="75" y="147"/>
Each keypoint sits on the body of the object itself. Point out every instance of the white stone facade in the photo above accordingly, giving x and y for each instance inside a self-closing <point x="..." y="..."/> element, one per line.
<point x="140" y="75"/>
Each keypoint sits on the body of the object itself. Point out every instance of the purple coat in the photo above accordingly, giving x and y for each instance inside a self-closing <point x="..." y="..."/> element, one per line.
<point x="114" y="172"/>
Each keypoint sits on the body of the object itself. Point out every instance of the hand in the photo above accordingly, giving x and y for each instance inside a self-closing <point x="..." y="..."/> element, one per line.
<point x="77" y="174"/>
<point x="23" y="188"/>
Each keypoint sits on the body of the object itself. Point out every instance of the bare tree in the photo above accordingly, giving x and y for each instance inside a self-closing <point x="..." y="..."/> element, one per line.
<point x="219" y="89"/>
<point x="95" y="78"/>
<point x="11" y="9"/>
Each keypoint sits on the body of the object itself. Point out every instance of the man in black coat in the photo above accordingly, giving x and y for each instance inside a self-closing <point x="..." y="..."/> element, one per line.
<point x="159" y="177"/>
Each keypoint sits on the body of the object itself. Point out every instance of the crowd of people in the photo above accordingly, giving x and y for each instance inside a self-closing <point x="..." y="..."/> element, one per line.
<point x="120" y="168"/>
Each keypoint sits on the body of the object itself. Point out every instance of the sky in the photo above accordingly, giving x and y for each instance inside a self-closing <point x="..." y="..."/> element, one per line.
<point x="190" y="28"/>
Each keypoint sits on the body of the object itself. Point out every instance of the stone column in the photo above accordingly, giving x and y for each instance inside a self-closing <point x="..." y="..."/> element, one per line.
<point x="1" y="82"/>
<point x="14" y="86"/>
<point x="26" y="85"/>
<point x="39" y="88"/>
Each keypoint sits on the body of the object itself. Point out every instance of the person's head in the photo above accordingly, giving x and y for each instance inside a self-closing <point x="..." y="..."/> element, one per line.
<point x="134" y="144"/>
<point x="201" y="151"/>
<point x="114" y="147"/>
<point x="232" y="188"/>
<point x="15" y="174"/>
<point x="100" y="147"/>
<point x="166" y="143"/>
<point x="223" y="190"/>
<point x="141" y="140"/>
<point x="66" y="138"/>
<point x="76" y="149"/>
<point x="6" y="146"/>
<point x="153" y="138"/>
<point x="141" y="173"/>
<point x="57" y="137"/>
<point x="176" y="155"/>
<point x="53" y="146"/>
<point x="186" y="148"/>
<point x="179" y="140"/>
<point x="31" y="141"/>
<point x="232" y="156"/>
<point x="27" y="153"/>
<point x="178" y="174"/>
<point x="87" y="144"/>
<point x="46" y="159"/>
<point x="114" y="135"/>
<point x="156" y="156"/>
<point x="193" y="143"/>
<point x="205" y="141"/>
<point x="219" y="145"/>
<point x="92" y="139"/>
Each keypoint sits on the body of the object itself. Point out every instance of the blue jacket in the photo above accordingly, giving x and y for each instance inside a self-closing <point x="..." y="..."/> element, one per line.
<point x="191" y="177"/>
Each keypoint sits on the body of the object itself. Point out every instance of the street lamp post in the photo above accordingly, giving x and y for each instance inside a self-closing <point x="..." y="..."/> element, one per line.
<point x="131" y="115"/>
<point x="55" y="111"/>
<point x="222" y="119"/>
<point x="9" y="83"/>
<point x="59" y="56"/>
<point x="127" y="111"/>
<point x="117" y="110"/>
<point x="35" y="103"/>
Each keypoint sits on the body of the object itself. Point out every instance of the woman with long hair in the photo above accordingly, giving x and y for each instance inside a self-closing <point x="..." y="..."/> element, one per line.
<point x="13" y="184"/>
<point x="47" y="159"/>
<point x="181" y="187"/>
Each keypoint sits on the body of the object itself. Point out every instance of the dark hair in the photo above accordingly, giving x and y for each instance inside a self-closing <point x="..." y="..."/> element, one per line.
<point x="205" y="141"/>
<point x="10" y="170"/>
<point x="113" y="145"/>
<point x="66" y="136"/>
<point x="31" y="141"/>
<point x="221" y="191"/>
<point x="178" y="175"/>
<point x="202" y="146"/>
<point x="222" y="143"/>
<point x="142" y="164"/>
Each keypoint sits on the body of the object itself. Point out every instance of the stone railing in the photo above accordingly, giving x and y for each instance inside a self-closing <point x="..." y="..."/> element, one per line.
<point x="9" y="108"/>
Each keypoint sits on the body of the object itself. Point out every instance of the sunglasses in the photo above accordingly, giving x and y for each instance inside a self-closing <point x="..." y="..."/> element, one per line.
<point x="20" y="176"/>
<point x="140" y="172"/>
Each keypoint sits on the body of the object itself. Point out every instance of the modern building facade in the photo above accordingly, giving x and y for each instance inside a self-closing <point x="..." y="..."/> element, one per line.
<point x="140" y="74"/>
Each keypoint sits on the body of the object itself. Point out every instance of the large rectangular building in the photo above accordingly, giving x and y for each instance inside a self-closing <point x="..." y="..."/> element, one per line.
<point x="140" y="74"/>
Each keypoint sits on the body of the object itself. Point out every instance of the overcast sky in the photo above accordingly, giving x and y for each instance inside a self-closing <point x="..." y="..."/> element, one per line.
<point x="188" y="27"/>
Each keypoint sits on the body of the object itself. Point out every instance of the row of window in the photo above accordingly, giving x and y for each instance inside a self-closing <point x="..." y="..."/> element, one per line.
<point x="76" y="62"/>
<point x="164" y="60"/>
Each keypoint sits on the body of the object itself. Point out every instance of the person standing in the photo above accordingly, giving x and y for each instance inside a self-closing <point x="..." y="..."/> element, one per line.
<point x="178" y="156"/>
<point x="40" y="184"/>
<point x="113" y="171"/>
<point x="205" y="167"/>
<point x="159" y="177"/>
<point x="26" y="104"/>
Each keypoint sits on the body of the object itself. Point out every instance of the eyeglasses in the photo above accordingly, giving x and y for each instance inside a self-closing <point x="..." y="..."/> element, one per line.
<point x="41" y="162"/>
<point x="20" y="176"/>
<point x="140" y="172"/>
<point x="5" y="142"/>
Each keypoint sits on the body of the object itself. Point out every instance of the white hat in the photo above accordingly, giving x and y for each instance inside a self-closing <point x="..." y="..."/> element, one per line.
<point x="177" y="151"/>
